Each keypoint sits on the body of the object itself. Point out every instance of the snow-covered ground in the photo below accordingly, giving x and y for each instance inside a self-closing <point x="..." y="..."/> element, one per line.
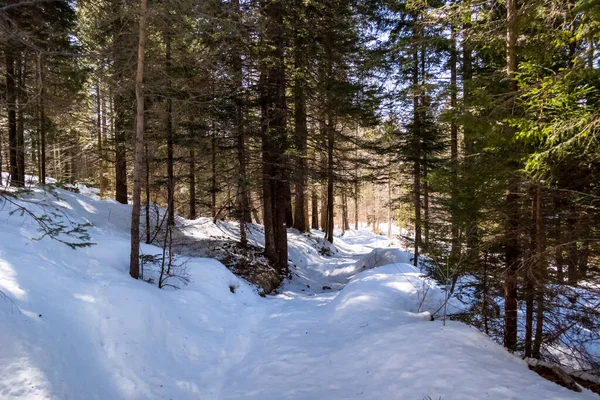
<point x="355" y="324"/>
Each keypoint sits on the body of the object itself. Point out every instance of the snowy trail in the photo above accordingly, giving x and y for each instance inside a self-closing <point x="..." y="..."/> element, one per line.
<point x="75" y="326"/>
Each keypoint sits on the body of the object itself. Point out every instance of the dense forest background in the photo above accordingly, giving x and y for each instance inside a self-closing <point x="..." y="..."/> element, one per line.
<point x="472" y="124"/>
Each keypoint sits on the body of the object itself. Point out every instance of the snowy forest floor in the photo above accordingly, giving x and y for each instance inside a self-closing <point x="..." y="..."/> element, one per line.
<point x="355" y="324"/>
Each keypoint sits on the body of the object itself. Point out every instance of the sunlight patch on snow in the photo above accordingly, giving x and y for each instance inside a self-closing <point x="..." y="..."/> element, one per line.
<point x="87" y="207"/>
<point x="63" y="204"/>
<point x="84" y="297"/>
<point x="400" y="286"/>
<point x="20" y="379"/>
<point x="8" y="282"/>
<point x="351" y="301"/>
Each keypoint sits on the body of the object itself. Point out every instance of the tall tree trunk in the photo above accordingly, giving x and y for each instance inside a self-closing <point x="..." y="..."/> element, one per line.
<point x="21" y="101"/>
<point x="244" y="211"/>
<point x="511" y="245"/>
<point x="147" y="188"/>
<point x="314" y="207"/>
<point x="356" y="199"/>
<point x="42" y="122"/>
<point x="300" y="125"/>
<point x="192" y="188"/>
<point x="345" y="223"/>
<point x="417" y="150"/>
<point x="542" y="273"/>
<point x="558" y="248"/>
<point x="169" y="132"/>
<point x="11" y="104"/>
<point x="572" y="253"/>
<point x="289" y="213"/>
<point x="243" y="202"/>
<point x="356" y="182"/>
<point x="530" y="275"/>
<point x="426" y="204"/>
<point x="389" y="208"/>
<point x="120" y="149"/>
<point x="273" y="122"/>
<point x="213" y="177"/>
<point x="584" y="252"/>
<point x="455" y="240"/>
<point x="330" y="180"/>
<point x="138" y="164"/>
<point x="472" y="229"/>
<point x="99" y="127"/>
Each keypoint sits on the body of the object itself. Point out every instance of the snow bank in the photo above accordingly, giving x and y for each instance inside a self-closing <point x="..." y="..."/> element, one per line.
<point x="74" y="325"/>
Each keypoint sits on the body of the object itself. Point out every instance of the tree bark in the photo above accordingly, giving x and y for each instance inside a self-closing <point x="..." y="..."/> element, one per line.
<point x="542" y="273"/>
<point x="147" y="187"/>
<point x="330" y="180"/>
<point x="558" y="248"/>
<point x="345" y="223"/>
<point x="472" y="224"/>
<point x="416" y="149"/>
<point x="134" y="261"/>
<point x="314" y="208"/>
<point x="99" y="127"/>
<point x="192" y="188"/>
<point x="169" y="133"/>
<point x="120" y="150"/>
<point x="300" y="124"/>
<point x="11" y="103"/>
<point x="21" y="101"/>
<point x="213" y="177"/>
<point x="455" y="240"/>
<point x="243" y="202"/>
<point x="530" y="273"/>
<point x="511" y="244"/>
<point x="572" y="253"/>
<point x="273" y="126"/>
<point x="42" y="121"/>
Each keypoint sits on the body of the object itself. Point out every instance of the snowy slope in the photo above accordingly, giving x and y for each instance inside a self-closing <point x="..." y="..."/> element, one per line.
<point x="73" y="325"/>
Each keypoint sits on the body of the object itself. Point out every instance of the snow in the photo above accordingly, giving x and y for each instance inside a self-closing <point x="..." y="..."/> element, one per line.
<point x="74" y="325"/>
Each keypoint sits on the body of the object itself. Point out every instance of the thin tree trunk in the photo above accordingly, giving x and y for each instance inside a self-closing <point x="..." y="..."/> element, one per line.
<point x="99" y="127"/>
<point x="530" y="272"/>
<point x="134" y="261"/>
<point x="542" y="273"/>
<point x="330" y="179"/>
<point x="105" y="183"/>
<point x="558" y="248"/>
<point x="11" y="103"/>
<point x="42" y="110"/>
<point x="356" y="198"/>
<point x="243" y="203"/>
<point x="572" y="253"/>
<point x="192" y="173"/>
<point x="472" y="230"/>
<point x="315" y="208"/>
<point x="511" y="245"/>
<point x="417" y="151"/>
<point x="345" y="223"/>
<point x="300" y="125"/>
<point x="289" y="213"/>
<point x="21" y="101"/>
<point x="213" y="178"/>
<point x="147" y="187"/>
<point x="389" y="229"/>
<point x="455" y="243"/>
<point x="169" y="132"/>
<point x="120" y="150"/>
